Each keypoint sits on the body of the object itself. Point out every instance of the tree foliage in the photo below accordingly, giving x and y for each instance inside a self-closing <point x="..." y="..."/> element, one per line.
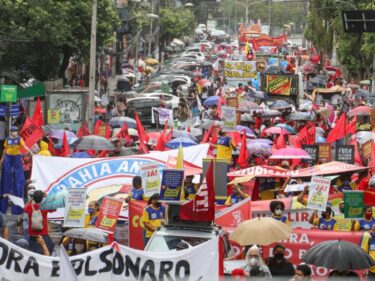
<point x="41" y="35"/>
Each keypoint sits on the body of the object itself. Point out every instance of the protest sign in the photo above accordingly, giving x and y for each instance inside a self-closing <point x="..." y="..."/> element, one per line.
<point x="161" y="115"/>
<point x="229" y="118"/>
<point x="353" y="204"/>
<point x="232" y="101"/>
<point x="318" y="193"/>
<point x="150" y="178"/>
<point x="171" y="184"/>
<point x="366" y="149"/>
<point x="113" y="262"/>
<point x="278" y="85"/>
<point x="345" y="153"/>
<point x="312" y="150"/>
<point x="53" y="116"/>
<point x="75" y="205"/>
<point x="325" y="153"/>
<point x="109" y="213"/>
<point x="240" y="70"/>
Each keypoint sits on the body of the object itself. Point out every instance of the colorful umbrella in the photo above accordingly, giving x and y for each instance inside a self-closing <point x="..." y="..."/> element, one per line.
<point x="319" y="131"/>
<point x="119" y="121"/>
<point x="290" y="153"/>
<point x="184" y="142"/>
<point x="94" y="143"/>
<point x="59" y="134"/>
<point x="259" y="148"/>
<point x="280" y="104"/>
<point x="266" y="141"/>
<point x="299" y="116"/>
<point x="287" y="127"/>
<point x="211" y="101"/>
<point x="360" y="110"/>
<point x="270" y="113"/>
<point x="365" y="136"/>
<point x="183" y="134"/>
<point x="276" y="130"/>
<point x="248" y="131"/>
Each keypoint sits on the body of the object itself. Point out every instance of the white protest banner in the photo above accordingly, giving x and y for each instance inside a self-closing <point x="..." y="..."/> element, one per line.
<point x="229" y="118"/>
<point x="18" y="201"/>
<point x="164" y="115"/>
<point x="318" y="193"/>
<point x="195" y="263"/>
<point x="75" y="206"/>
<point x="150" y="179"/>
<point x="240" y="70"/>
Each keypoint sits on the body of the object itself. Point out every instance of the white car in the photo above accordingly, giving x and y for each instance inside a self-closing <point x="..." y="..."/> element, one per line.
<point x="197" y="56"/>
<point x="171" y="99"/>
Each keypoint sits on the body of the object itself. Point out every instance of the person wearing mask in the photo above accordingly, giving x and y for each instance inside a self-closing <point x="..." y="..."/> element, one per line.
<point x="39" y="228"/>
<point x="255" y="265"/>
<point x="153" y="216"/>
<point x="93" y="210"/>
<point x="190" y="187"/>
<point x="137" y="192"/>
<point x="302" y="273"/>
<point x="278" y="265"/>
<point x="367" y="223"/>
<point x="325" y="222"/>
<point x="277" y="208"/>
<point x="237" y="195"/>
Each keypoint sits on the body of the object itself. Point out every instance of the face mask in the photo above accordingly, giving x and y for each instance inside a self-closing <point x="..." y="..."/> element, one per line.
<point x="253" y="261"/>
<point x="279" y="256"/>
<point x="368" y="215"/>
<point x="90" y="210"/>
<point x="158" y="204"/>
<point x="278" y="212"/>
<point x="79" y="247"/>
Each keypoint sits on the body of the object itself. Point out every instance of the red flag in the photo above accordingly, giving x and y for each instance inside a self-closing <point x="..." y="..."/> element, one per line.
<point x="351" y="129"/>
<point x="339" y="131"/>
<point x="188" y="130"/>
<point x="31" y="132"/>
<point x="160" y="145"/>
<point x="357" y="155"/>
<point x="83" y="131"/>
<point x="255" y="45"/>
<point x="280" y="142"/>
<point x="244" y="153"/>
<point x="169" y="136"/>
<point x="65" y="150"/>
<point x="311" y="133"/>
<point x="124" y="133"/>
<point x="202" y="207"/>
<point x="141" y="131"/>
<point x="38" y="114"/>
<point x="51" y="147"/>
<point x="207" y="134"/>
<point x="303" y="137"/>
<point x="369" y="197"/>
<point x="96" y="127"/>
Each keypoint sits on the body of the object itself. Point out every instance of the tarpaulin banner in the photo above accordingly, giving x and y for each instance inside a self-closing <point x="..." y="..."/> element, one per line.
<point x="109" y="213"/>
<point x="237" y="70"/>
<point x="278" y="85"/>
<point x="75" y="206"/>
<point x="234" y="215"/>
<point x="171" y="184"/>
<point x="150" y="179"/>
<point x="265" y="40"/>
<point x="262" y="171"/>
<point x="301" y="240"/>
<point x="106" y="263"/>
<point x="163" y="115"/>
<point x="136" y="224"/>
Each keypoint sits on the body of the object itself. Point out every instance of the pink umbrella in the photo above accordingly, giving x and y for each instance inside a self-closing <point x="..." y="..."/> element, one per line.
<point x="290" y="153"/>
<point x="360" y="110"/>
<point x="277" y="130"/>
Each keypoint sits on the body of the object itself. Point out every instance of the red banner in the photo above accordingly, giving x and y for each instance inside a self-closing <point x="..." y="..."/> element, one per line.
<point x="109" y="213"/>
<point x="135" y="224"/>
<point x="234" y="215"/>
<point x="31" y="132"/>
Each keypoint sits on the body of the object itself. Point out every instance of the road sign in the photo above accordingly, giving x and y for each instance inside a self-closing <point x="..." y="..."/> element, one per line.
<point x="8" y="93"/>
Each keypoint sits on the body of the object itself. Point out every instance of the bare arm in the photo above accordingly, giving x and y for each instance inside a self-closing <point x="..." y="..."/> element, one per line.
<point x="302" y="194"/>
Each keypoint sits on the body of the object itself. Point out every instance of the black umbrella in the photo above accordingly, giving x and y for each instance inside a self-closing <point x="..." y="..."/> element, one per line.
<point x="339" y="255"/>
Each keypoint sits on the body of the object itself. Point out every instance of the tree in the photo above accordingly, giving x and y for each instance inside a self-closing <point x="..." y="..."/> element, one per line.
<point x="42" y="35"/>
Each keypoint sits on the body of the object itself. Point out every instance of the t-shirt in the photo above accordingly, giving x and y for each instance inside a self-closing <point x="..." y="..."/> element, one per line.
<point x="283" y="268"/>
<point x="137" y="194"/>
<point x="29" y="210"/>
<point x="233" y="199"/>
<point x="12" y="145"/>
<point x="324" y="224"/>
<point x="368" y="244"/>
<point x="364" y="224"/>
<point x="153" y="217"/>
<point x="281" y="218"/>
<point x="224" y="148"/>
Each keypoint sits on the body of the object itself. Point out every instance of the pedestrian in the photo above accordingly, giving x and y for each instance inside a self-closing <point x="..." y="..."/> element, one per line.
<point x="255" y="266"/>
<point x="153" y="216"/>
<point x="277" y="209"/>
<point x="279" y="265"/>
<point x="38" y="224"/>
<point x="12" y="174"/>
<point x="302" y="273"/>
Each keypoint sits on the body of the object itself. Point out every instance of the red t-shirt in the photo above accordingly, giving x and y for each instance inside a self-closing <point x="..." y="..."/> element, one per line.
<point x="29" y="210"/>
<point x="363" y="184"/>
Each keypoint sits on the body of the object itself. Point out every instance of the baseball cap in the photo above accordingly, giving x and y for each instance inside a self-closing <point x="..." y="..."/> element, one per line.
<point x="13" y="128"/>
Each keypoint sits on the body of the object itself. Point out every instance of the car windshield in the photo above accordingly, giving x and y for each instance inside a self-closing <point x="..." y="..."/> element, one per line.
<point x="166" y="243"/>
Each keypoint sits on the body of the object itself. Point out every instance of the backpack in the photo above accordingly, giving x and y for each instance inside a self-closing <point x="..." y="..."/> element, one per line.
<point x="36" y="219"/>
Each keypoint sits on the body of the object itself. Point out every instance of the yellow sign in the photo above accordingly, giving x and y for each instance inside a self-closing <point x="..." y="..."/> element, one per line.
<point x="53" y="116"/>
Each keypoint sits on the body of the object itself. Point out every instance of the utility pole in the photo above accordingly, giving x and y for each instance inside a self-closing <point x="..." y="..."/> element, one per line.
<point x="151" y="27"/>
<point x="91" y="97"/>
<point x="157" y="35"/>
<point x="270" y="16"/>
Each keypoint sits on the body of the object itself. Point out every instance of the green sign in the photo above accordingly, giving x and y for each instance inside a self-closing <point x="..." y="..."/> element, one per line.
<point x="353" y="204"/>
<point x="8" y="93"/>
<point x="165" y="87"/>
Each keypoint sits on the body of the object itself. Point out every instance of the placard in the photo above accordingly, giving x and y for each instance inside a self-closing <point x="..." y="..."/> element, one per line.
<point x="278" y="85"/>
<point x="53" y="116"/>
<point x="75" y="206"/>
<point x="313" y="151"/>
<point x="171" y="184"/>
<point x="325" y="153"/>
<point x="318" y="193"/>
<point x="229" y="118"/>
<point x="353" y="204"/>
<point x="109" y="213"/>
<point x="345" y="153"/>
<point x="232" y="101"/>
<point x="150" y="179"/>
<point x="366" y="149"/>
<point x="8" y="93"/>
<point x="240" y="70"/>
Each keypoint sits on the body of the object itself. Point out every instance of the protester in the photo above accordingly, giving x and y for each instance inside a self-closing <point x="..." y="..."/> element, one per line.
<point x="153" y="216"/>
<point x="255" y="266"/>
<point x="278" y="265"/>
<point x="367" y="222"/>
<point x="93" y="210"/>
<point x="225" y="146"/>
<point x="237" y="195"/>
<point x="325" y="222"/>
<point x="137" y="192"/>
<point x="302" y="273"/>
<point x="190" y="187"/>
<point x="38" y="225"/>
<point x="277" y="208"/>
